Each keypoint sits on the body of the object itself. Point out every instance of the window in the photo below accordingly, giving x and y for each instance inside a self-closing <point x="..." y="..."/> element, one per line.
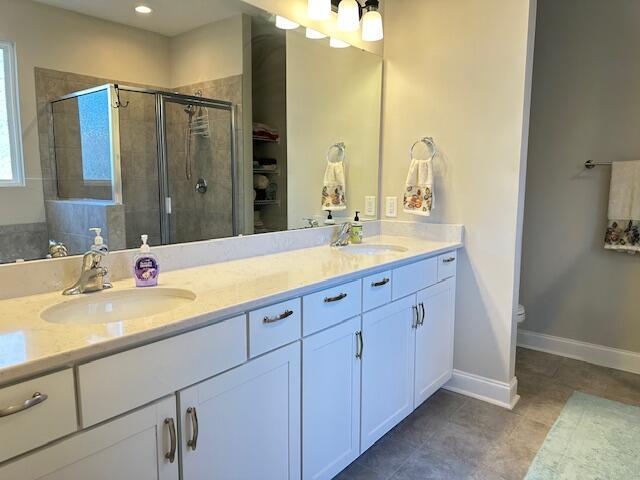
<point x="11" y="166"/>
<point x="95" y="136"/>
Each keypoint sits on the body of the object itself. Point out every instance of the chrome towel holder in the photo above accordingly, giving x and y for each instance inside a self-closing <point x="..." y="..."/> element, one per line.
<point x="590" y="164"/>
<point x="341" y="148"/>
<point x="429" y="142"/>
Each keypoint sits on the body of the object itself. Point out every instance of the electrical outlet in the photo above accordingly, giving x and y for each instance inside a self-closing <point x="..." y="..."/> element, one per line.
<point x="370" y="206"/>
<point x="392" y="207"/>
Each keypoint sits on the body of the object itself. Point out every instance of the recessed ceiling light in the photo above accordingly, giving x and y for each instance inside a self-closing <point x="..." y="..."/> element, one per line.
<point x="143" y="9"/>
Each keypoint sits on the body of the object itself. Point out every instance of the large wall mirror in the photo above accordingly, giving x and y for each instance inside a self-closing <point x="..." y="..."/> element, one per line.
<point x="200" y="120"/>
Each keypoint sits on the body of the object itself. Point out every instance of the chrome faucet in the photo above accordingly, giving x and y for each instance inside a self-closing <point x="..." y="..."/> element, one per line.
<point x="311" y="222"/>
<point x="93" y="273"/>
<point x="344" y="234"/>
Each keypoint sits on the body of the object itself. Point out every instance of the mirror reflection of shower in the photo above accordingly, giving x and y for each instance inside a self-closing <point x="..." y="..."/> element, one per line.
<point x="198" y="127"/>
<point x="144" y="169"/>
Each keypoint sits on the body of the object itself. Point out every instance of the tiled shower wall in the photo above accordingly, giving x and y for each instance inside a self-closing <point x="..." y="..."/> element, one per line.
<point x="27" y="241"/>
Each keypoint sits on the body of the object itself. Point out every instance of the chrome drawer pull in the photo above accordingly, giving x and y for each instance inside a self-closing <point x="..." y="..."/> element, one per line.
<point x="421" y="322"/>
<point x="36" y="399"/>
<point x="382" y="282"/>
<point x="360" y="347"/>
<point x="337" y="298"/>
<point x="449" y="260"/>
<point x="193" y="443"/>
<point x="277" y="318"/>
<point x="171" y="454"/>
<point x="416" y="317"/>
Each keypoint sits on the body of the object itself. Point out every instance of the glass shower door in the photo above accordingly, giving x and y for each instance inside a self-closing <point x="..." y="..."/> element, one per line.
<point x="199" y="164"/>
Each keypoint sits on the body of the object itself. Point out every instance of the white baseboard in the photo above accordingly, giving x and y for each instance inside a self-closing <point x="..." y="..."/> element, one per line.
<point x="588" y="352"/>
<point x="492" y="391"/>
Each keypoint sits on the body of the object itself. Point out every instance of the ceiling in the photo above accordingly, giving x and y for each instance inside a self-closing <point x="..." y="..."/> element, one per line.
<point x="169" y="17"/>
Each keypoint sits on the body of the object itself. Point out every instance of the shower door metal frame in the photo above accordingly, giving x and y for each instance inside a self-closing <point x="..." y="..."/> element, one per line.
<point x="161" y="99"/>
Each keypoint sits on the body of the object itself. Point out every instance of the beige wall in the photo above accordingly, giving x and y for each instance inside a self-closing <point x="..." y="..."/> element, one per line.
<point x="456" y="70"/>
<point x="585" y="105"/>
<point x="53" y="38"/>
<point x="342" y="87"/>
<point x="193" y="59"/>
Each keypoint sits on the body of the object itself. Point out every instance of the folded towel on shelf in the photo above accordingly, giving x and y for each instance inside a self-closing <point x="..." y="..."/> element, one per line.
<point x="418" y="195"/>
<point x="265" y="132"/>
<point x="333" y="190"/>
<point x="623" y="229"/>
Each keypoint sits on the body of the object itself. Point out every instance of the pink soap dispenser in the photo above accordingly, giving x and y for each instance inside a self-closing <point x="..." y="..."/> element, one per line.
<point x="145" y="266"/>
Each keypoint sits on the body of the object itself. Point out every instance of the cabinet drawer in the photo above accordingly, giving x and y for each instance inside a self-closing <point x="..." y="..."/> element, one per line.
<point x="116" y="384"/>
<point x="413" y="277"/>
<point x="376" y="290"/>
<point x="274" y="326"/>
<point x="44" y="418"/>
<point x="331" y="306"/>
<point x="447" y="265"/>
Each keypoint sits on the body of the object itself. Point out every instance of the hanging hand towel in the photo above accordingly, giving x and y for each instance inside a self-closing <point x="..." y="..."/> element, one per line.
<point x="623" y="231"/>
<point x="333" y="191"/>
<point x="418" y="195"/>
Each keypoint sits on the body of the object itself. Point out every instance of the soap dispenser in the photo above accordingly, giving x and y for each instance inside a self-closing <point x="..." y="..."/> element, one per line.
<point x="145" y="266"/>
<point x="329" y="220"/>
<point x="98" y="241"/>
<point x="356" y="229"/>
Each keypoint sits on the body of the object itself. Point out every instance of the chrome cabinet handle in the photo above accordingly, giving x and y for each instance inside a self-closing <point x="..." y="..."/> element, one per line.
<point x="382" y="282"/>
<point x="449" y="260"/>
<point x="277" y="318"/>
<point x="416" y="317"/>
<point x="421" y="322"/>
<point x="193" y="443"/>
<point x="360" y="348"/>
<point x="35" y="399"/>
<point x="337" y="298"/>
<point x="171" y="454"/>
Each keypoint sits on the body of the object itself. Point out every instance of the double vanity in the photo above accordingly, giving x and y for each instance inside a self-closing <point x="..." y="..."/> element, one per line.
<point x="283" y="366"/>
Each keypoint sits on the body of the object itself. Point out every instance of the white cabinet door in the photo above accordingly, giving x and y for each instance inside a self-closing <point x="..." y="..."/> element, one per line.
<point x="434" y="339"/>
<point x="244" y="424"/>
<point x="131" y="447"/>
<point x="387" y="368"/>
<point x="331" y="400"/>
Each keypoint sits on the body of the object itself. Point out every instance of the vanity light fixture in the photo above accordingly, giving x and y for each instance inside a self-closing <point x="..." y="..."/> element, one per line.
<point x="372" y="22"/>
<point x="285" y="24"/>
<point x="349" y="15"/>
<point x="336" y="43"/>
<point x="319" y="9"/>
<point x="314" y="34"/>
<point x="143" y="9"/>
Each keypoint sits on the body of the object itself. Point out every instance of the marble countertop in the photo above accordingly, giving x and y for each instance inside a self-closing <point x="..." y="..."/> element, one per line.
<point x="30" y="345"/>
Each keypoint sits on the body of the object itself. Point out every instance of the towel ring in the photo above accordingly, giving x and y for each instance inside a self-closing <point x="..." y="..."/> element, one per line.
<point x="341" y="147"/>
<point x="429" y="142"/>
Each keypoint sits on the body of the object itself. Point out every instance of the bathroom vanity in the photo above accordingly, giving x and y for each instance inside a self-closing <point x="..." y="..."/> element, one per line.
<point x="291" y="375"/>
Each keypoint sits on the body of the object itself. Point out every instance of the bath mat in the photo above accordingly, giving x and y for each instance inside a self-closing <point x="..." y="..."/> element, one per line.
<point x="593" y="438"/>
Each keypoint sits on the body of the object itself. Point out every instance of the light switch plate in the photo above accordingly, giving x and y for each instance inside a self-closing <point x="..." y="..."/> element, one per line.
<point x="391" y="206"/>
<point x="370" y="206"/>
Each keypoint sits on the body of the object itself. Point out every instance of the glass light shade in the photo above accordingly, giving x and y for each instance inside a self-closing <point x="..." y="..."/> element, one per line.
<point x="348" y="16"/>
<point x="372" y="26"/>
<point x="314" y="34"/>
<point x="319" y="9"/>
<point x="335" y="43"/>
<point x="285" y="24"/>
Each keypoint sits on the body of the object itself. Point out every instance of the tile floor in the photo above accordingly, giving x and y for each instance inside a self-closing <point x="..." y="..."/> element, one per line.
<point x="455" y="437"/>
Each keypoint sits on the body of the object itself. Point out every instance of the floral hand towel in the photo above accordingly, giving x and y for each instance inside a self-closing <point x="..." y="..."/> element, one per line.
<point x="418" y="194"/>
<point x="333" y="191"/>
<point x="623" y="232"/>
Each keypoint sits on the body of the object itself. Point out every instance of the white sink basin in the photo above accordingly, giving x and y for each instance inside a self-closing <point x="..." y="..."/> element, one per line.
<point x="372" y="249"/>
<point x="117" y="306"/>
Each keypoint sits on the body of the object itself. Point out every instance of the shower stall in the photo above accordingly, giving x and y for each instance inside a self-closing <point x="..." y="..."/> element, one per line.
<point x="158" y="163"/>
